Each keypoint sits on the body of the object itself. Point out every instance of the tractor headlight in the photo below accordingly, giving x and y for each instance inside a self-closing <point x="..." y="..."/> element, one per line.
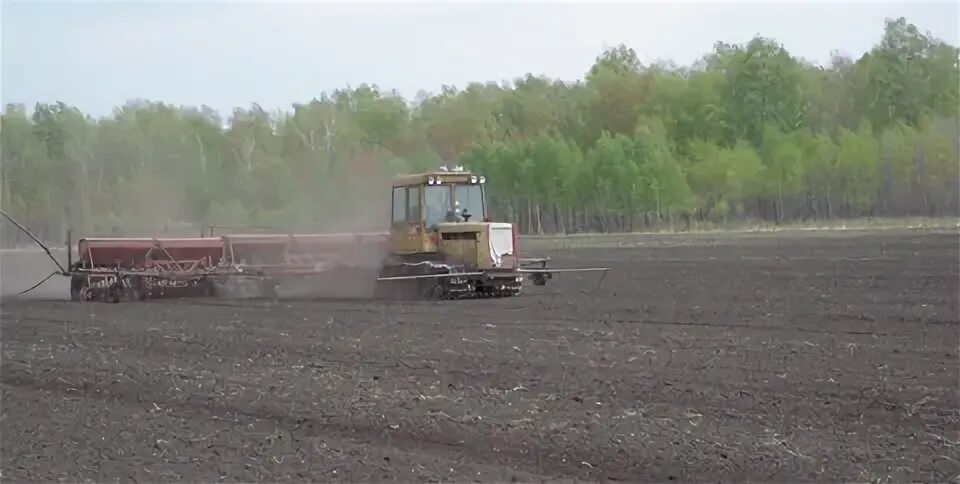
<point x="473" y="179"/>
<point x="431" y="180"/>
<point x="483" y="179"/>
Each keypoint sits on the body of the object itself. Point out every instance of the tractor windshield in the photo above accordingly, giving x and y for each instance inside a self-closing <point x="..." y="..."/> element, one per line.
<point x="437" y="201"/>
<point x="441" y="208"/>
<point x="470" y="198"/>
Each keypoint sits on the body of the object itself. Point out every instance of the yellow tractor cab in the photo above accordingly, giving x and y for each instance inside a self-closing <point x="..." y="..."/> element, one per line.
<point x="427" y="205"/>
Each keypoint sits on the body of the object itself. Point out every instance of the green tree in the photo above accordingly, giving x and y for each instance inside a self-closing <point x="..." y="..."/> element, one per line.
<point x="748" y="132"/>
<point x="857" y="169"/>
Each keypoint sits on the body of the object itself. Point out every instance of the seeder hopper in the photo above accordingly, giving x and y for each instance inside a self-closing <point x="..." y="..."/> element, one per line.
<point x="115" y="269"/>
<point x="112" y="269"/>
<point x="441" y="245"/>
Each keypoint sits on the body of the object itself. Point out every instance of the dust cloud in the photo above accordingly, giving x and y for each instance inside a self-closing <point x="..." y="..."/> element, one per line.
<point x="362" y="205"/>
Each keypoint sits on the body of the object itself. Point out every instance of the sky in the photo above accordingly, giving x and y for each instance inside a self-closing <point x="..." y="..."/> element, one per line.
<point x="226" y="54"/>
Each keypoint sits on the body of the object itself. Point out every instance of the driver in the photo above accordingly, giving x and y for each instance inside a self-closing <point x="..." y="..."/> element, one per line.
<point x="454" y="215"/>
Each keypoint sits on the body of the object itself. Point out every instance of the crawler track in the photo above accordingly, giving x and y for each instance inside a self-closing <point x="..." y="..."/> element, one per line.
<point x="774" y="359"/>
<point x="452" y="283"/>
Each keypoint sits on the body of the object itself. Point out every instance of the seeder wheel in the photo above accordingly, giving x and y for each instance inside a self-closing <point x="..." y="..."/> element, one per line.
<point x="79" y="288"/>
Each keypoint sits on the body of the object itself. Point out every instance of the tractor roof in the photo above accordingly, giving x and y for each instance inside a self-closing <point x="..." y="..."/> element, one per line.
<point x="445" y="176"/>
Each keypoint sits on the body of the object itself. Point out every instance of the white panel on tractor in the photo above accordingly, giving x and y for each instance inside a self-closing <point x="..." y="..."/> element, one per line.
<point x="501" y="241"/>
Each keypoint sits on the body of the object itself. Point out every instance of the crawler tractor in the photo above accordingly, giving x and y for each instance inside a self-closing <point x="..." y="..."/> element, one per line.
<point x="444" y="245"/>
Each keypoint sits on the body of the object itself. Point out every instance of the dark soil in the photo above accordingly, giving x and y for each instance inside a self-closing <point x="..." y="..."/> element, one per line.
<point x="767" y="359"/>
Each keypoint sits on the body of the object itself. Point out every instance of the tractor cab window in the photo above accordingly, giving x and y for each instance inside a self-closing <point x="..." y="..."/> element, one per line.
<point x="406" y="204"/>
<point x="437" y="200"/>
<point x="441" y="207"/>
<point x="413" y="204"/>
<point x="399" y="204"/>
<point x="469" y="198"/>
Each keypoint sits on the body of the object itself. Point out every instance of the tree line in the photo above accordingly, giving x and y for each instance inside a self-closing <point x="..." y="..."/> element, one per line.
<point x="749" y="132"/>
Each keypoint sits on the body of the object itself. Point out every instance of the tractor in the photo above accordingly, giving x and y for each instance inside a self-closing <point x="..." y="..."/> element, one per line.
<point x="443" y="244"/>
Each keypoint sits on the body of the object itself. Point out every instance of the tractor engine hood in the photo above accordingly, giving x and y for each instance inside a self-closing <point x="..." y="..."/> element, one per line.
<point x="499" y="238"/>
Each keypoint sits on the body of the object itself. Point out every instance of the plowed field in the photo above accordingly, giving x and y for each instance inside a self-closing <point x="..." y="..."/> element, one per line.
<point x="769" y="358"/>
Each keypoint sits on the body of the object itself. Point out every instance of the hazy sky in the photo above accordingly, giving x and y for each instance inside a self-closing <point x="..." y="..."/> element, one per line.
<point x="97" y="55"/>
